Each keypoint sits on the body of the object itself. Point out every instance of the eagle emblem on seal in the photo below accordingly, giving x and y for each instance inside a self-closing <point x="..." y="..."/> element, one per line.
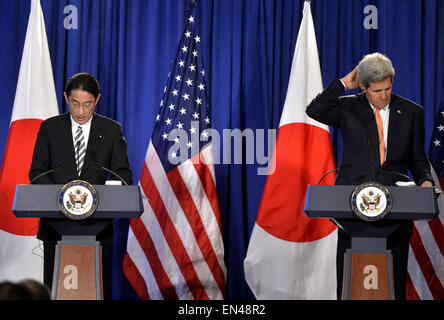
<point x="371" y="201"/>
<point x="77" y="199"/>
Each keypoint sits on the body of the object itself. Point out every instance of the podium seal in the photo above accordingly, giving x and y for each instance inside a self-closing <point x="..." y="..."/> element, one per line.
<point x="371" y="201"/>
<point x="78" y="200"/>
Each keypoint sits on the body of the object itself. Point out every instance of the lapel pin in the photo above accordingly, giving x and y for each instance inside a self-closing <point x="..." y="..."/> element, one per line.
<point x="399" y="111"/>
<point x="100" y="136"/>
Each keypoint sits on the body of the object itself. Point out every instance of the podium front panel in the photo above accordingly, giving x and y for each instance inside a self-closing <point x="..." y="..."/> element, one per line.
<point x="42" y="201"/>
<point x="78" y="270"/>
<point x="368" y="276"/>
<point x="409" y="203"/>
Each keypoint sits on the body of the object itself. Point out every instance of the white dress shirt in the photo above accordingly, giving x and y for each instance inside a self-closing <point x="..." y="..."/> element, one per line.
<point x="86" y="128"/>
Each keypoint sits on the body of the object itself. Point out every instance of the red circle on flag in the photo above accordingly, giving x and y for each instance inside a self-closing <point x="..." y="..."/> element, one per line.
<point x="302" y="155"/>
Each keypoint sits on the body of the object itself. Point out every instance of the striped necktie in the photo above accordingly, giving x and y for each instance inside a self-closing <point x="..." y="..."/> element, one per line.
<point x="80" y="149"/>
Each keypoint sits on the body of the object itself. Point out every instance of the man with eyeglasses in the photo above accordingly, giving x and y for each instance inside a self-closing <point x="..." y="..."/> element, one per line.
<point x="76" y="143"/>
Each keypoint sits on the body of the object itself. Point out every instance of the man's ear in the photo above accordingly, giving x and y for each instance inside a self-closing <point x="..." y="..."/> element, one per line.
<point x="66" y="97"/>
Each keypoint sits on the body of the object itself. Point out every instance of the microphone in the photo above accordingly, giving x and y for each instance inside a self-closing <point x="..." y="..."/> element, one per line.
<point x="45" y="173"/>
<point x="98" y="166"/>
<point x="399" y="174"/>
<point x="344" y="167"/>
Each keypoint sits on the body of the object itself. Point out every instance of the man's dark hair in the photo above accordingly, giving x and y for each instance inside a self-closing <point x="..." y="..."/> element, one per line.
<point x="83" y="81"/>
<point x="25" y="290"/>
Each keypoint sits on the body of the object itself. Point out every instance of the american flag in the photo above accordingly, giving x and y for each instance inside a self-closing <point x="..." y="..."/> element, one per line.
<point x="425" y="279"/>
<point x="175" y="249"/>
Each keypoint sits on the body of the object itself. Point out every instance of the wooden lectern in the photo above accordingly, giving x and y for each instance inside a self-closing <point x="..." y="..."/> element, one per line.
<point x="77" y="267"/>
<point x="368" y="268"/>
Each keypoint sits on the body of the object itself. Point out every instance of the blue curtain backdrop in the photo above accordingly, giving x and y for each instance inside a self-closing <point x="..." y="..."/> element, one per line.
<point x="248" y="49"/>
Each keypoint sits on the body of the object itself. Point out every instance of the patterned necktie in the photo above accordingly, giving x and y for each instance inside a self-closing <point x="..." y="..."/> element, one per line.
<point x="80" y="149"/>
<point x="381" y="135"/>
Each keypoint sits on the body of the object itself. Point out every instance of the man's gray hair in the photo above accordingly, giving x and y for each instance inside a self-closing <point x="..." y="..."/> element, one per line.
<point x="375" y="67"/>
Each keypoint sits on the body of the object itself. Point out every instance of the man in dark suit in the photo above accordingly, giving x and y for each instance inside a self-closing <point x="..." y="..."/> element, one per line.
<point x="76" y="144"/>
<point x="383" y="138"/>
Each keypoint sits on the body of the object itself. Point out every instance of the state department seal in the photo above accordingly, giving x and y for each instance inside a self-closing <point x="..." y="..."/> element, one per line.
<point x="78" y="200"/>
<point x="371" y="201"/>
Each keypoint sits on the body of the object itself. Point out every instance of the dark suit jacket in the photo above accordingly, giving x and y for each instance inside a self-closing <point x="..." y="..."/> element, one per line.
<point x="354" y="116"/>
<point x="54" y="148"/>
